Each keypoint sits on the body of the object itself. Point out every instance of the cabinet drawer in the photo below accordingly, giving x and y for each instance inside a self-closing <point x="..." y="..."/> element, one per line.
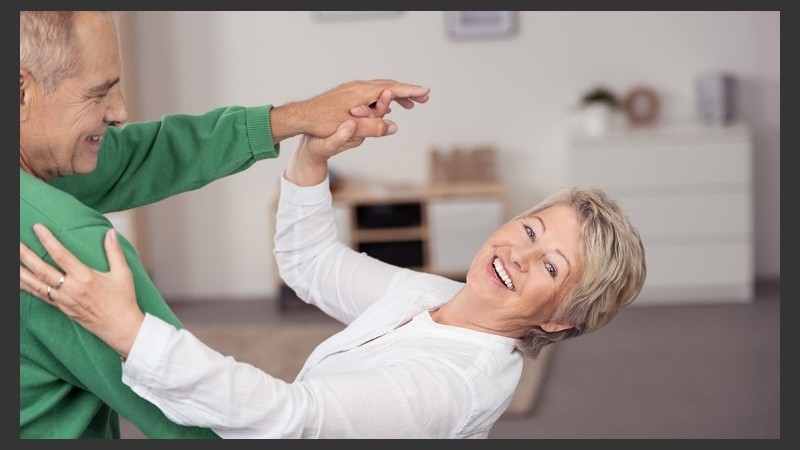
<point x="628" y="168"/>
<point x="708" y="272"/>
<point x="458" y="228"/>
<point x="661" y="218"/>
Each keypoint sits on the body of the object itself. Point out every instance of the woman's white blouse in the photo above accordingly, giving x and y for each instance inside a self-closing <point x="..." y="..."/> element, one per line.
<point x="374" y="379"/>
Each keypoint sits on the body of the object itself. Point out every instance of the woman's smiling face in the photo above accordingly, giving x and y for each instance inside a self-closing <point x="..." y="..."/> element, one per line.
<point x="528" y="265"/>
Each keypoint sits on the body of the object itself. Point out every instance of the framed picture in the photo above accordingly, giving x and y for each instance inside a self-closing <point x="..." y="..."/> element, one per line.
<point x="480" y="24"/>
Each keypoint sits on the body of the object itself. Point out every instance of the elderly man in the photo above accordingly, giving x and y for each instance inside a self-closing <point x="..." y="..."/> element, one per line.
<point x="76" y="165"/>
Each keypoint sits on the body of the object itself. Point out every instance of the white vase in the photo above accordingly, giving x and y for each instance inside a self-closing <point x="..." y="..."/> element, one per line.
<point x="597" y="118"/>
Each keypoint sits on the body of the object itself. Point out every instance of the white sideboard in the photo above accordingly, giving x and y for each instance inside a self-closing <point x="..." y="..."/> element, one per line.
<point x="689" y="191"/>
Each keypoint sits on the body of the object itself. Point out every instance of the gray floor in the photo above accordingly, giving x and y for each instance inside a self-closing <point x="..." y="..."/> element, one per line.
<point x="653" y="372"/>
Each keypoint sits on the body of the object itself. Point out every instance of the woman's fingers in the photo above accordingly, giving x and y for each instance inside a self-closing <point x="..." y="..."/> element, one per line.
<point x="63" y="257"/>
<point x="351" y="143"/>
<point x="116" y="257"/>
<point x="44" y="281"/>
<point x="31" y="284"/>
<point x="362" y="111"/>
<point x="338" y="142"/>
<point x="43" y="272"/>
<point x="375" y="127"/>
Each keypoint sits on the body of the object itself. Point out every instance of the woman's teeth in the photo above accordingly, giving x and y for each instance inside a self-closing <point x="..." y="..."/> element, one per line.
<point x="501" y="272"/>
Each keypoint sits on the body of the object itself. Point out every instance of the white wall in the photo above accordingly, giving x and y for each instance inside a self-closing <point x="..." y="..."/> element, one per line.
<point x="517" y="94"/>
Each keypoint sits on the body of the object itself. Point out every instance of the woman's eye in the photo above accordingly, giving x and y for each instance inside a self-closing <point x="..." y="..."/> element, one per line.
<point x="551" y="269"/>
<point x="529" y="231"/>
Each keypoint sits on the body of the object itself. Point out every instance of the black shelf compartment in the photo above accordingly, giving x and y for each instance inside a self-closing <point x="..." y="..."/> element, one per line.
<point x="393" y="215"/>
<point x="403" y="254"/>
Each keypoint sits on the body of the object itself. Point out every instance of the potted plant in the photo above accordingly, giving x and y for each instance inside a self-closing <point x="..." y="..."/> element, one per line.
<point x="598" y="106"/>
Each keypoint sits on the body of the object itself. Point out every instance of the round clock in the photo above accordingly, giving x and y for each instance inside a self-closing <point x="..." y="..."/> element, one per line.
<point x="641" y="106"/>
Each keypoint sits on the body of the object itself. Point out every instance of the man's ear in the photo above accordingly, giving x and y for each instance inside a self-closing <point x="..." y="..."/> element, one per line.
<point x="25" y="83"/>
<point x="552" y="327"/>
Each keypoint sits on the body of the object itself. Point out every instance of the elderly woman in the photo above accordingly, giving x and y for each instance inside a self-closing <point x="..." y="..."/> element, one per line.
<point x="422" y="356"/>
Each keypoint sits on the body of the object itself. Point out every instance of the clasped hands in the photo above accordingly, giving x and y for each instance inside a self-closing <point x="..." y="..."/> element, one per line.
<point x="364" y="102"/>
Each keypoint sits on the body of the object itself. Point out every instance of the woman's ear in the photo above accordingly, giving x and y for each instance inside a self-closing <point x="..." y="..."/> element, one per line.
<point x="552" y="327"/>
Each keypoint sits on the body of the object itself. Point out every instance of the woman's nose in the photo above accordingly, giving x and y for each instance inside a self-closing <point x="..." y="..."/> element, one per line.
<point x="521" y="256"/>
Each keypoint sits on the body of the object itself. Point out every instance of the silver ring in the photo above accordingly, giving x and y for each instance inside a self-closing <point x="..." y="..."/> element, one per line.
<point x="60" y="282"/>
<point x="49" y="288"/>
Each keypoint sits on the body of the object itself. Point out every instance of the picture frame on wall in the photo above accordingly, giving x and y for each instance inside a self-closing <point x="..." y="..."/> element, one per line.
<point x="353" y="15"/>
<point x="480" y="24"/>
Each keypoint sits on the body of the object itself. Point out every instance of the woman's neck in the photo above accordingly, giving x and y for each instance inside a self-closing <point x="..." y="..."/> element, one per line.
<point x="462" y="311"/>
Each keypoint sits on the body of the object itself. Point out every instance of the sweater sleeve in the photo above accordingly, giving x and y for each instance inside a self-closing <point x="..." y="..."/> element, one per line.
<point x="144" y="162"/>
<point x="83" y="360"/>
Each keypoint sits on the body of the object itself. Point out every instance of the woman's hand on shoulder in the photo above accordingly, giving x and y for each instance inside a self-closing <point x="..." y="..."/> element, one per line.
<point x="102" y="302"/>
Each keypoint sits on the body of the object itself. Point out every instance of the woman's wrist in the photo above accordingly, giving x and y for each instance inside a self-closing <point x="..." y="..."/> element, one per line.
<point x="122" y="338"/>
<point x="304" y="170"/>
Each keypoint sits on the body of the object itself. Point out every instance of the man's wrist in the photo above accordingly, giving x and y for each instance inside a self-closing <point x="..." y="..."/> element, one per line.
<point x="286" y="121"/>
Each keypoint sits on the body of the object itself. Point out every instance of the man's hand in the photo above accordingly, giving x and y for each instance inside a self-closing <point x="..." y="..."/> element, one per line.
<point x="365" y="102"/>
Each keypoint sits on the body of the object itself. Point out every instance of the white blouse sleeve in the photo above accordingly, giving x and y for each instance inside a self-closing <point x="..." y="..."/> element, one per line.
<point x="194" y="385"/>
<point x="321" y="270"/>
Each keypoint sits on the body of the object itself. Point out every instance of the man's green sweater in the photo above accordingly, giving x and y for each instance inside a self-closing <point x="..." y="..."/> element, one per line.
<point x="69" y="381"/>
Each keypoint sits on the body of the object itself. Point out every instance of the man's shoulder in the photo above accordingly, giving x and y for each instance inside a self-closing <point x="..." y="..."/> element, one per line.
<point x="40" y="202"/>
<point x="38" y="197"/>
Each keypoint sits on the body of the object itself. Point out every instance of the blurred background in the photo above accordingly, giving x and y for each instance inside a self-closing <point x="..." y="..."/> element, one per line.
<point x="518" y="94"/>
<point x="689" y="139"/>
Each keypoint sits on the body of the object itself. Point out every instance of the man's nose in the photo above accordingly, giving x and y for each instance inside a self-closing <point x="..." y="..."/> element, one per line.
<point x="117" y="112"/>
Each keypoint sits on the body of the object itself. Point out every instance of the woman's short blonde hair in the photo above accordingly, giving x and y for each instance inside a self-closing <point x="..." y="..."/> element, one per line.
<point x="613" y="272"/>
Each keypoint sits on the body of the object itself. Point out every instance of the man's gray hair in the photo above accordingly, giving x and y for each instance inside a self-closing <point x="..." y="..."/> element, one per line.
<point x="47" y="47"/>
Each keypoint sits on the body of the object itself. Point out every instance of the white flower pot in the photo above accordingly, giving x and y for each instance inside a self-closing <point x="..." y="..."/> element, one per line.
<point x="597" y="118"/>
